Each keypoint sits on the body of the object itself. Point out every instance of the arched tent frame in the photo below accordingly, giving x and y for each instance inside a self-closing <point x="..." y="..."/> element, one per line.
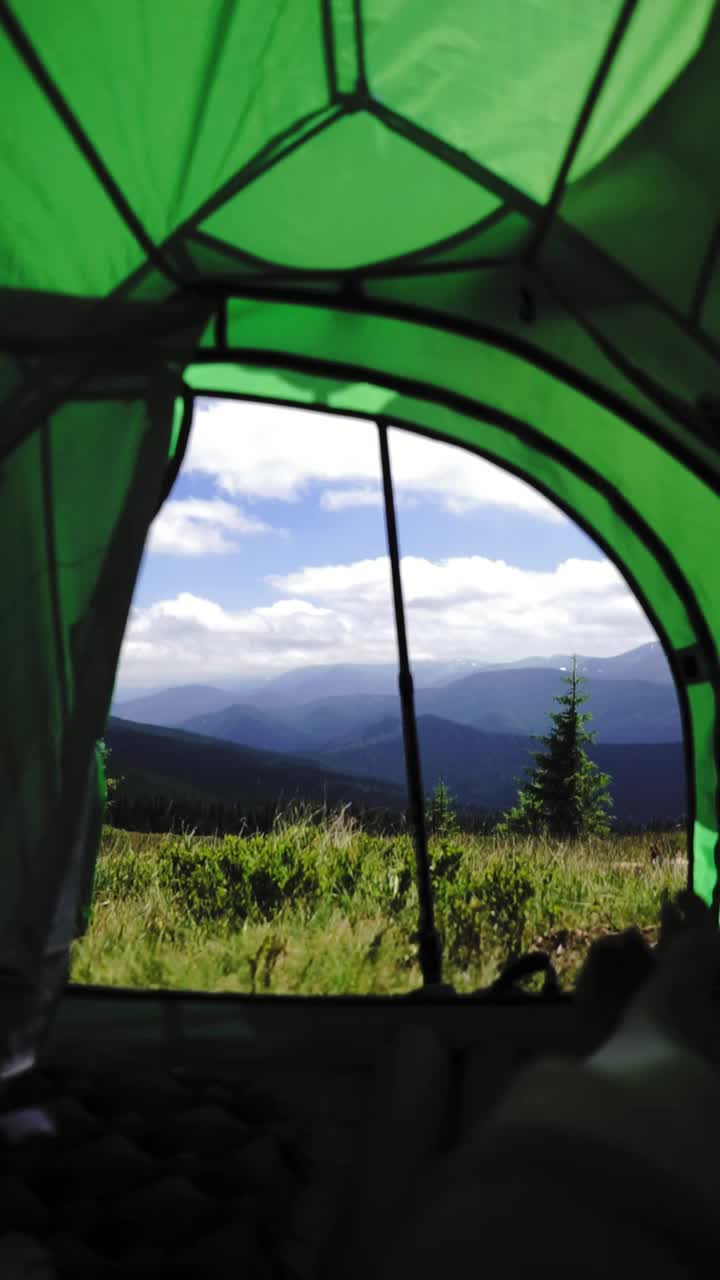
<point x="556" y="330"/>
<point x="474" y="421"/>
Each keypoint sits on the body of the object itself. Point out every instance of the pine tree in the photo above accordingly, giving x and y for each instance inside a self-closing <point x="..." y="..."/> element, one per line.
<point x="565" y="795"/>
<point x="440" y="813"/>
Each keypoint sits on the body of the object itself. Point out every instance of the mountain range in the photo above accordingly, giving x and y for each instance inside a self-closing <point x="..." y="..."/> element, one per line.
<point x="495" y="702"/>
<point x="180" y="765"/>
<point x="299" y="687"/>
<point x="335" y="732"/>
<point x="481" y="769"/>
<point x="632" y="700"/>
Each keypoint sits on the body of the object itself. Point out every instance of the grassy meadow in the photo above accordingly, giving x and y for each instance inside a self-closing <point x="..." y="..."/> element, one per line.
<point x="325" y="908"/>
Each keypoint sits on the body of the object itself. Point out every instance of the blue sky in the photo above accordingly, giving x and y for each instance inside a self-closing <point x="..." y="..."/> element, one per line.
<point x="270" y="554"/>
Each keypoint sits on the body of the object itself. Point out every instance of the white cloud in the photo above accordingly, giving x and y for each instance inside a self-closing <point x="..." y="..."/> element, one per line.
<point x="266" y="451"/>
<point x="201" y="527"/>
<point x="468" y="607"/>
<point x="344" y="499"/>
<point x="341" y="499"/>
<point x="189" y="636"/>
<point x="474" y="607"/>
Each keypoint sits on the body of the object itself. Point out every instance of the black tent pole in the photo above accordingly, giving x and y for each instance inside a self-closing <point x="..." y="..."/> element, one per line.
<point x="429" y="947"/>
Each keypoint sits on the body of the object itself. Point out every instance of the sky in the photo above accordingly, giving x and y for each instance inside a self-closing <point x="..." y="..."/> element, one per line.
<point x="271" y="554"/>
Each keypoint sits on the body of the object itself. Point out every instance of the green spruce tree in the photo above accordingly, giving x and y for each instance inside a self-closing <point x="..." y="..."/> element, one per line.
<point x="440" y="813"/>
<point x="565" y="795"/>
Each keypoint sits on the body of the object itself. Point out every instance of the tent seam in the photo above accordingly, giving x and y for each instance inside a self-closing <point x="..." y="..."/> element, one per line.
<point x="672" y="405"/>
<point x="329" y="50"/>
<point x="361" y="83"/>
<point x="454" y="158"/>
<point x="26" y="51"/>
<point x="52" y="571"/>
<point x="462" y="327"/>
<point x="263" y="160"/>
<point x="705" y="275"/>
<point x="597" y="85"/>
<point x="373" y="270"/>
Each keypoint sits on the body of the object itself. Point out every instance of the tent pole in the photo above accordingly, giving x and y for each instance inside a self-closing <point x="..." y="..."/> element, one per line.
<point x="429" y="947"/>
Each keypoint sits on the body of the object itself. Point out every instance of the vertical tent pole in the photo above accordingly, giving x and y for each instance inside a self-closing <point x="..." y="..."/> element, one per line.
<point x="429" y="948"/>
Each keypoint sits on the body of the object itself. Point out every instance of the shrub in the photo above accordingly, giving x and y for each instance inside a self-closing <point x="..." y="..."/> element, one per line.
<point x="239" y="877"/>
<point x="266" y="874"/>
<point x="503" y="893"/>
<point x="121" y="877"/>
<point x="456" y="903"/>
<point x="193" y="874"/>
<point x="394" y="892"/>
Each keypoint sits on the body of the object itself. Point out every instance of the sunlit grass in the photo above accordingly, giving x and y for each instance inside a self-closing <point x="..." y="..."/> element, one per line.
<point x="327" y="909"/>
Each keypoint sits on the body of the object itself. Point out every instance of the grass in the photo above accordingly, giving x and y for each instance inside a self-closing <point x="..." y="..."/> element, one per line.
<point x="327" y="909"/>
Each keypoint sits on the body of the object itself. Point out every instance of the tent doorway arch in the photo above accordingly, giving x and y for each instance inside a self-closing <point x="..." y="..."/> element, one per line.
<point x="604" y="509"/>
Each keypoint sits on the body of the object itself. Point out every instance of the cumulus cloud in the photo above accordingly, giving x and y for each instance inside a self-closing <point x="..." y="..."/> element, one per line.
<point x="342" y="499"/>
<point x="266" y="451"/>
<point x="468" y="607"/>
<point x="178" y="639"/>
<point x="475" y="607"/>
<point x="201" y="527"/>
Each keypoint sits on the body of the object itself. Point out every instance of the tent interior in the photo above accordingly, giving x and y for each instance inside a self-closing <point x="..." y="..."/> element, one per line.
<point x="494" y="224"/>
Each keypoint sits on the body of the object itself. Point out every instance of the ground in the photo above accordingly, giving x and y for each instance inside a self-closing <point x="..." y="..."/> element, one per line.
<point x="323" y="908"/>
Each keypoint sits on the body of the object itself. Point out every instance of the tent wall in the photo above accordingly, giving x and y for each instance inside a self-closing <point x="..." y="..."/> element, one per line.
<point x="78" y="496"/>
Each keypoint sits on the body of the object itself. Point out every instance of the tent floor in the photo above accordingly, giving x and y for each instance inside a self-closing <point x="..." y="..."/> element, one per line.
<point x="159" y="1174"/>
<point x="173" y="1134"/>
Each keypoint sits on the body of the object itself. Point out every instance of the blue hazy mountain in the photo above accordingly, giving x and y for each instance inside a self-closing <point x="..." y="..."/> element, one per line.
<point x="481" y="769"/>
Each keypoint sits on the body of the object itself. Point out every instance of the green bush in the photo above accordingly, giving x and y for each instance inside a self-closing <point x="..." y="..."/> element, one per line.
<point x="268" y="873"/>
<point x="345" y="871"/>
<point x="393" y="891"/>
<point x="240" y="878"/>
<point x="194" y="876"/>
<point x="121" y="877"/>
<point x="503" y="893"/>
<point x="455" y="891"/>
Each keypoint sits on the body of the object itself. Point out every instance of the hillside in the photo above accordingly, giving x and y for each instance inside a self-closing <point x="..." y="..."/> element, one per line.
<point x="306" y="685"/>
<point x="178" y="764"/>
<point x="317" y="690"/>
<point x="647" y="662"/>
<point x="368" y="771"/>
<point x="513" y="701"/>
<point x="517" y="702"/>
<point x="251" y="727"/>
<point x="170" y="707"/>
<point x="481" y="768"/>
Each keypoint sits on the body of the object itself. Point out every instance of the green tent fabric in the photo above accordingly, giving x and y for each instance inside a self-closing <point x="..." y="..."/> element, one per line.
<point x="493" y="223"/>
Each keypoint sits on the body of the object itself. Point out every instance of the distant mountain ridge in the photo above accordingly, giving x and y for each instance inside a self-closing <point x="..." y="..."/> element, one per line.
<point x="482" y="769"/>
<point x="154" y="760"/>
<point x="251" y="727"/>
<point x="517" y="700"/>
<point x="632" y="699"/>
<point x="170" y="707"/>
<point x="506" y="701"/>
<point x="647" y="662"/>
